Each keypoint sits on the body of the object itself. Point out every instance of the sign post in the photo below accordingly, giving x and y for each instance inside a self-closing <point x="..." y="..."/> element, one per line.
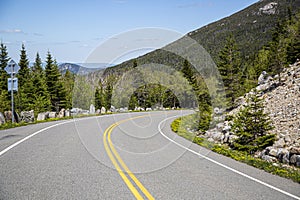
<point x="12" y="68"/>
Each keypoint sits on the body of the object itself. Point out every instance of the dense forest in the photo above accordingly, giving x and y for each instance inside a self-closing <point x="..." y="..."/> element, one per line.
<point x="45" y="88"/>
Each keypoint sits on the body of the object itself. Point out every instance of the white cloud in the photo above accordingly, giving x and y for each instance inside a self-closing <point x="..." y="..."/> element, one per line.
<point x="11" y="31"/>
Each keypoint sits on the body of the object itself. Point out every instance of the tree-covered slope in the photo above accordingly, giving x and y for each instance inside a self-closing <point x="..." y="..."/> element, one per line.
<point x="251" y="27"/>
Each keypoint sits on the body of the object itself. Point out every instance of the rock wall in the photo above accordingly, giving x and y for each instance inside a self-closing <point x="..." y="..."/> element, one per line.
<point x="281" y="96"/>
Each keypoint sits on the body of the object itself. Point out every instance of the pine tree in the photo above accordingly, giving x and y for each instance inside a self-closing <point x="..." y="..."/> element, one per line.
<point x="99" y="96"/>
<point x="229" y="67"/>
<point x="54" y="84"/>
<point x="108" y="95"/>
<point x="68" y="81"/>
<point x="252" y="125"/>
<point x="23" y="73"/>
<point x="293" y="48"/>
<point x="4" y="101"/>
<point x="41" y="94"/>
<point x="25" y="95"/>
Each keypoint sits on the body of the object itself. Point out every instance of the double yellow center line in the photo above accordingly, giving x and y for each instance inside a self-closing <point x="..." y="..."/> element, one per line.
<point x="118" y="163"/>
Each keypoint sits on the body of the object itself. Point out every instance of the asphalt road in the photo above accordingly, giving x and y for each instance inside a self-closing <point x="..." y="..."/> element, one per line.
<point x="124" y="156"/>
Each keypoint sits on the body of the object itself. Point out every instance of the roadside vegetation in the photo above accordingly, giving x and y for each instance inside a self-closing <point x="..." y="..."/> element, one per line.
<point x="183" y="126"/>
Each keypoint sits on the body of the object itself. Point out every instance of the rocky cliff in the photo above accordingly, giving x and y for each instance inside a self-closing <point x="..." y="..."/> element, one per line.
<point x="281" y="95"/>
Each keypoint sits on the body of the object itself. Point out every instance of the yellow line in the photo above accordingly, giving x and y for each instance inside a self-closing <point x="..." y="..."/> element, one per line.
<point x="132" y="176"/>
<point x="121" y="173"/>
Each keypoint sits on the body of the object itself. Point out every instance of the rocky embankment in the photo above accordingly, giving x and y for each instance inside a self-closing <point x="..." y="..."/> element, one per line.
<point x="281" y="95"/>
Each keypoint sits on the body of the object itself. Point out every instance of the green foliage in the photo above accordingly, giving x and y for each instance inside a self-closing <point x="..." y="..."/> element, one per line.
<point x="24" y="99"/>
<point x="40" y="92"/>
<point x="83" y="93"/>
<point x="99" y="96"/>
<point x="150" y="95"/>
<point x="229" y="66"/>
<point x="175" y="125"/>
<point x="240" y="156"/>
<point x="251" y="125"/>
<point x="54" y="84"/>
<point x="23" y="73"/>
<point x="293" y="46"/>
<point x="68" y="80"/>
<point x="4" y="101"/>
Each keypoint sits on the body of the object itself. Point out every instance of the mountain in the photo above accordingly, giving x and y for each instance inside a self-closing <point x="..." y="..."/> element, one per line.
<point x="252" y="28"/>
<point x="82" y="69"/>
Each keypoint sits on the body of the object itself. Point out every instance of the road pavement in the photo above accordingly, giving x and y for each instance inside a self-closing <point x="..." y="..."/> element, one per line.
<point x="124" y="156"/>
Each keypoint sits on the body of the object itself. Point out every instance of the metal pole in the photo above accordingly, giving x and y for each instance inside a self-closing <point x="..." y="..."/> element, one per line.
<point x="12" y="95"/>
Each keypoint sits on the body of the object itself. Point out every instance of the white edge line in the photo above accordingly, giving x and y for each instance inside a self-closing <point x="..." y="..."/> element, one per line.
<point x="222" y="165"/>
<point x="49" y="127"/>
<point x="39" y="131"/>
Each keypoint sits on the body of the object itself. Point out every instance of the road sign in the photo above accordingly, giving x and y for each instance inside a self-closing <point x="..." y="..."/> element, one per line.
<point x="12" y="86"/>
<point x="12" y="67"/>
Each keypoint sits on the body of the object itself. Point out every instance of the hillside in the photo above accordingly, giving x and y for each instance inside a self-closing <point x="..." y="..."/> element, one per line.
<point x="252" y="27"/>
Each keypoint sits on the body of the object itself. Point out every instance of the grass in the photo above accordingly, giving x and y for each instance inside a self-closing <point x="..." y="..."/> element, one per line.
<point x="9" y="125"/>
<point x="180" y="126"/>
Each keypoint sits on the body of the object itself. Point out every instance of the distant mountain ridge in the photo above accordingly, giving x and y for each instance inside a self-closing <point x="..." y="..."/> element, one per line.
<point x="81" y="69"/>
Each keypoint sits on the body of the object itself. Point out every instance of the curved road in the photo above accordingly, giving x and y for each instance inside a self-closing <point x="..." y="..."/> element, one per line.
<point x="124" y="156"/>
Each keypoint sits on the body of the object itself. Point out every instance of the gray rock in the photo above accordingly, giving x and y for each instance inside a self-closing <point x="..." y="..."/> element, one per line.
<point x="280" y="143"/>
<point x="92" y="109"/>
<point x="283" y="155"/>
<point x="269" y="158"/>
<point x="67" y="113"/>
<point x="41" y="117"/>
<point x="2" y="119"/>
<point x="273" y="152"/>
<point x="112" y="109"/>
<point x="8" y="116"/>
<point x="217" y="136"/>
<point x="295" y="160"/>
<point x="262" y="78"/>
<point x="210" y="139"/>
<point x="103" y="110"/>
<point x="287" y="139"/>
<point x="27" y="116"/>
<point x="295" y="150"/>
<point x="148" y="109"/>
<point x="61" y="113"/>
<point x="226" y="129"/>
<point x="98" y="111"/>
<point x="52" y="115"/>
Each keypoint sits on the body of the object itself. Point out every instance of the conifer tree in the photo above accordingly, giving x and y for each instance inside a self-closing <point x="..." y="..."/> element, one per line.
<point x="23" y="73"/>
<point x="41" y="95"/>
<point x="251" y="125"/>
<point x="293" y="48"/>
<point x="229" y="67"/>
<point x="25" y="95"/>
<point x="68" y="81"/>
<point x="4" y="101"/>
<point x="54" y="84"/>
<point x="99" y="96"/>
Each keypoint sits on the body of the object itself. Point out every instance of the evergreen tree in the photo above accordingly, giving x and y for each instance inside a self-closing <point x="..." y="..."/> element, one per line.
<point x="99" y="96"/>
<point x="4" y="101"/>
<point x="38" y="65"/>
<point x="41" y="94"/>
<point x="108" y="95"/>
<point x="251" y="125"/>
<point x="25" y="95"/>
<point x="68" y="81"/>
<point x="293" y="48"/>
<point x="229" y="67"/>
<point x="277" y="48"/>
<point x="54" y="84"/>
<point x="23" y="73"/>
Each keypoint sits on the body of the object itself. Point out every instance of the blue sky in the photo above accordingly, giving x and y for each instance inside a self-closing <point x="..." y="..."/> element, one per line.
<point x="72" y="29"/>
